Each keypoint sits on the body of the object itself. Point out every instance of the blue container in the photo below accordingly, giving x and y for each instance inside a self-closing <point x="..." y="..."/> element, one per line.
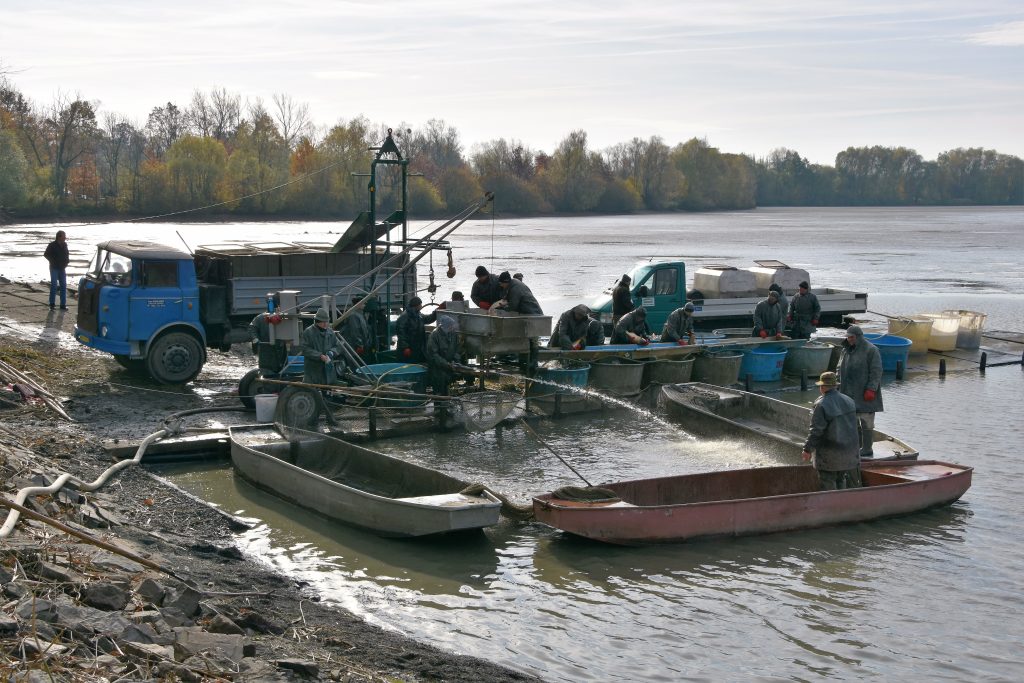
<point x="763" y="365"/>
<point x="893" y="349"/>
<point x="296" y="365"/>
<point x="391" y="373"/>
<point x="574" y="373"/>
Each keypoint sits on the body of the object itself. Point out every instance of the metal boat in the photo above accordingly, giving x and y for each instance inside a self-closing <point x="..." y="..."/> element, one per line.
<point x="718" y="412"/>
<point x="358" y="486"/>
<point x="751" y="501"/>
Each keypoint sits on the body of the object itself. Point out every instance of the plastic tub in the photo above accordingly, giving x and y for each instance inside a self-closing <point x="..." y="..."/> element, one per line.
<point x="718" y="367"/>
<point x="266" y="405"/>
<point x="395" y="373"/>
<point x="945" y="328"/>
<point x="972" y="324"/>
<point x="813" y="358"/>
<point x="893" y="350"/>
<point x="917" y="329"/>
<point x="568" y="372"/>
<point x="668" y="371"/>
<point x="763" y="365"/>
<point x="617" y="376"/>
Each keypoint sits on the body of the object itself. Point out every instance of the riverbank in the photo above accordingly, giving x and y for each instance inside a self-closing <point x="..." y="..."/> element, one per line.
<point x="77" y="612"/>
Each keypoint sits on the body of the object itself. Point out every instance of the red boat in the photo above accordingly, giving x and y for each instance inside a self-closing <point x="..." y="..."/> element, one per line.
<point x="751" y="501"/>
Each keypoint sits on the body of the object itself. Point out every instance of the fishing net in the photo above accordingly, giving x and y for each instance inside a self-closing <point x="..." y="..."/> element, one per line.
<point x="482" y="410"/>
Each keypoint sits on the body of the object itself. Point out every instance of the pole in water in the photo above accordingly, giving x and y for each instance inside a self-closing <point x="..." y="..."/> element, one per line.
<point x="984" y="362"/>
<point x="748" y="381"/>
<point x="899" y="369"/>
<point x="803" y="379"/>
<point x="942" y="367"/>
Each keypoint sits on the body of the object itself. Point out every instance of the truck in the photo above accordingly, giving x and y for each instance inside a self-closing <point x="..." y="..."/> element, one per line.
<point x="660" y="287"/>
<point x="158" y="308"/>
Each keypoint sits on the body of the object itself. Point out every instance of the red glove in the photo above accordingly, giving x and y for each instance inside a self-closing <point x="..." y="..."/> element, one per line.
<point x="359" y="350"/>
<point x="815" y="322"/>
<point x="485" y="305"/>
<point x="644" y="342"/>
<point x="577" y="347"/>
<point x="764" y="334"/>
<point x="442" y="306"/>
<point x="682" y="342"/>
<point x="407" y="352"/>
<point x="869" y="394"/>
<point x="789" y="318"/>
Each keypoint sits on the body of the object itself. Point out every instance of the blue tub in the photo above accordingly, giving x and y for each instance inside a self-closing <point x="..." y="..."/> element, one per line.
<point x="893" y="349"/>
<point x="573" y="373"/>
<point x="391" y="373"/>
<point x="763" y="364"/>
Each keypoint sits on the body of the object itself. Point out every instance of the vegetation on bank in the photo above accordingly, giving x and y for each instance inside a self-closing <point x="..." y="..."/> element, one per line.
<point x="68" y="158"/>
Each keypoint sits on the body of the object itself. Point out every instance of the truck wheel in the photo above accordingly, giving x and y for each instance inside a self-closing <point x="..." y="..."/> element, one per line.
<point x="298" y="407"/>
<point x="175" y="358"/>
<point x="252" y="385"/>
<point x="134" y="365"/>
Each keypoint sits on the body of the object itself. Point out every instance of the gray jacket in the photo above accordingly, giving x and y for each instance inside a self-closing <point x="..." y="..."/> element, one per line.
<point x="356" y="331"/>
<point x="677" y="326"/>
<point x="411" y="335"/>
<point x="259" y="328"/>
<point x="521" y="299"/>
<point x="629" y="323"/>
<point x="568" y="329"/>
<point x="804" y="308"/>
<point x="595" y="333"/>
<point x="768" y="317"/>
<point x="317" y="342"/>
<point x="833" y="436"/>
<point x="860" y="368"/>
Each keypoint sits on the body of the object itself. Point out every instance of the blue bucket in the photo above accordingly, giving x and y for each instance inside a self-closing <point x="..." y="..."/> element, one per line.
<point x="575" y="374"/>
<point x="893" y="349"/>
<point x="763" y="365"/>
<point x="392" y="373"/>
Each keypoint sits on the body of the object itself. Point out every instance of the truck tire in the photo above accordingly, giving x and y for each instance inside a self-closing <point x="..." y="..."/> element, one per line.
<point x="133" y="365"/>
<point x="298" y="407"/>
<point x="252" y="385"/>
<point x="175" y="358"/>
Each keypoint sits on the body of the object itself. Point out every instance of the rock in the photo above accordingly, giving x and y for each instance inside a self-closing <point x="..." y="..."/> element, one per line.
<point x="53" y="572"/>
<point x="191" y="641"/>
<point x="8" y="625"/>
<point x="105" y="596"/>
<point x="216" y="661"/>
<point x="258" y="623"/>
<point x="260" y="671"/>
<point x="187" y="600"/>
<point x="300" y="666"/>
<point x="144" y="633"/>
<point x="148" y="651"/>
<point x="152" y="592"/>
<point x="174" y="617"/>
<point x="221" y="624"/>
<point x="38" y="646"/>
<point x="15" y="591"/>
<point x="6" y="575"/>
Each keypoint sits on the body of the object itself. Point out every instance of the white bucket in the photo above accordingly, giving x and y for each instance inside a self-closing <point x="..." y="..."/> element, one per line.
<point x="266" y="404"/>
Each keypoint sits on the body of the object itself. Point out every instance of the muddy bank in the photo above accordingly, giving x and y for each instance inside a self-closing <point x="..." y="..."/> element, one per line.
<point x="75" y="612"/>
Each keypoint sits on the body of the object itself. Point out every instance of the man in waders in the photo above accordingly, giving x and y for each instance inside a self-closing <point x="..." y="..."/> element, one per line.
<point x="832" y="439"/>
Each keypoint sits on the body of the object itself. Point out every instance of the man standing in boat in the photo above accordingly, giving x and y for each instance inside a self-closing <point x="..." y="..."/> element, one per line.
<point x="769" y="317"/>
<point x="622" y="299"/>
<point x="860" y="378"/>
<point x="679" y="326"/>
<point x="804" y="311"/>
<point x="832" y="439"/>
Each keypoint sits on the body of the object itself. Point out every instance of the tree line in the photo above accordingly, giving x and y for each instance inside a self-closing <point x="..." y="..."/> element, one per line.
<point x="253" y="158"/>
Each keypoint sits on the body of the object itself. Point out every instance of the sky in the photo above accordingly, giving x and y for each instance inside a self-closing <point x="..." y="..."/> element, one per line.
<point x="749" y="76"/>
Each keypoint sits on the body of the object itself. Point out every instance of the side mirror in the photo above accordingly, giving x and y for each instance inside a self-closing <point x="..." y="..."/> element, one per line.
<point x="643" y="291"/>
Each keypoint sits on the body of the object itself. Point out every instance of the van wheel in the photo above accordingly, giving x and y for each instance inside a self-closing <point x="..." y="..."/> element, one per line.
<point x="250" y="386"/>
<point x="175" y="358"/>
<point x="298" y="407"/>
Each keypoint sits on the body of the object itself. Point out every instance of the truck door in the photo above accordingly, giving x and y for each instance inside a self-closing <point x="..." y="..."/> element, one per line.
<point x="664" y="294"/>
<point x="156" y="300"/>
<point x="108" y="291"/>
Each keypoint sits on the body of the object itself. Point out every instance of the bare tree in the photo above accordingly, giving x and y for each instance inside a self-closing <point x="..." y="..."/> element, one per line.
<point x="73" y="133"/>
<point x="292" y="118"/>
<point x="200" y="115"/>
<point x="117" y="134"/>
<point x="165" y="125"/>
<point x="226" y="112"/>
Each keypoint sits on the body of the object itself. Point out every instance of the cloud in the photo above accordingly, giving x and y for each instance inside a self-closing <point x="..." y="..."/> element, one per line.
<point x="1006" y="35"/>
<point x="343" y="75"/>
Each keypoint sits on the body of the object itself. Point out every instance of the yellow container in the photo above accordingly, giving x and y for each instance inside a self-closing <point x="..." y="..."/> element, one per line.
<point x="945" y="328"/>
<point x="917" y="329"/>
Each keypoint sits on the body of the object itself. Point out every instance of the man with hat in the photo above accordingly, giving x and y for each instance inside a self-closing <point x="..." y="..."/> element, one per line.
<point x="832" y="438"/>
<point x="356" y="330"/>
<point x="804" y="311"/>
<point x="622" y="299"/>
<point x="679" y="326"/>
<point x="632" y="328"/>
<point x="860" y="378"/>
<point x="571" y="329"/>
<point x="442" y="354"/>
<point x="485" y="289"/>
<point x="319" y="347"/>
<point x="768" y="317"/>
<point x="412" y="335"/>
<point x="595" y="333"/>
<point x="516" y="296"/>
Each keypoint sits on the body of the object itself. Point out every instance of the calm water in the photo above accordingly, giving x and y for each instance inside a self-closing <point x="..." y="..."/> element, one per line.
<point x="935" y="596"/>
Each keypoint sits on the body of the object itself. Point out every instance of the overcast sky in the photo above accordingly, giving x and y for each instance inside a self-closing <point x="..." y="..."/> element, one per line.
<point x="749" y="75"/>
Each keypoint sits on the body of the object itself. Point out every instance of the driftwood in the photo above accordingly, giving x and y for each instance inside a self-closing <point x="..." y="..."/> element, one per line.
<point x="11" y="374"/>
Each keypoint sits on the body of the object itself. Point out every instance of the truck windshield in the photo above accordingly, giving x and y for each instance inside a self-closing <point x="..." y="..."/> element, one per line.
<point x="113" y="268"/>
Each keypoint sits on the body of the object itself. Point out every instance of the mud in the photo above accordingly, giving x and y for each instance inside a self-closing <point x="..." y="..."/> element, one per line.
<point x="108" y="404"/>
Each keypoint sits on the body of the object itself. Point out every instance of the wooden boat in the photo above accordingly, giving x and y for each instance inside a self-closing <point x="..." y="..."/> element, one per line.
<point x="719" y="412"/>
<point x="358" y="486"/>
<point x="751" y="501"/>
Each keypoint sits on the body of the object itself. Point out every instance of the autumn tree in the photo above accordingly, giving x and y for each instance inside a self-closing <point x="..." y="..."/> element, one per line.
<point x="647" y="165"/>
<point x="292" y="119"/>
<point x="196" y="167"/>
<point x="73" y="132"/>
<point x="13" y="172"/>
<point x="164" y="126"/>
<point x="573" y="179"/>
<point x="259" y="161"/>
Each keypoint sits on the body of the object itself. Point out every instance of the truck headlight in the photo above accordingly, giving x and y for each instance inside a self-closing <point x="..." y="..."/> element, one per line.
<point x="103" y="331"/>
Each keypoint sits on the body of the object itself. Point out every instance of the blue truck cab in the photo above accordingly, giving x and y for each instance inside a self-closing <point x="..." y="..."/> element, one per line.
<point x="139" y="301"/>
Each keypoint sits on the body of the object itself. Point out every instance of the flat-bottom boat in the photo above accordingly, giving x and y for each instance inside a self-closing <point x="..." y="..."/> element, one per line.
<point x="751" y="501"/>
<point x="719" y="412"/>
<point x="358" y="486"/>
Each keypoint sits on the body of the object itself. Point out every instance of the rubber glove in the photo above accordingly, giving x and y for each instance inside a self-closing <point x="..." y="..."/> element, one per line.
<point x="764" y="334"/>
<point x="359" y="350"/>
<point x="577" y="347"/>
<point x="442" y="306"/>
<point x="815" y="322"/>
<point x="869" y="394"/>
<point x="682" y="342"/>
<point x="407" y="352"/>
<point x="485" y="305"/>
<point x="644" y="342"/>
